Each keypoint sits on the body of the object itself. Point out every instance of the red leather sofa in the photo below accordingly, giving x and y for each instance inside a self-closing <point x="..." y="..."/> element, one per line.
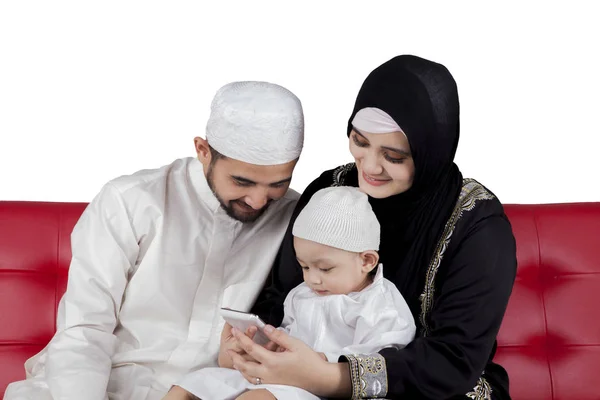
<point x="549" y="341"/>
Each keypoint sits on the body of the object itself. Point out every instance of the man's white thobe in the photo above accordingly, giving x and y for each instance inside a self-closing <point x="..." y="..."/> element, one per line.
<point x="154" y="258"/>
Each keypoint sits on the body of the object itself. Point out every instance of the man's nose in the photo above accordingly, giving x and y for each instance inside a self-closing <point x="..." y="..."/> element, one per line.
<point x="257" y="199"/>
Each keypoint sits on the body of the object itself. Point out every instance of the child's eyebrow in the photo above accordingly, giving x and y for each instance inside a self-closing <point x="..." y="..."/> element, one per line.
<point x="326" y="261"/>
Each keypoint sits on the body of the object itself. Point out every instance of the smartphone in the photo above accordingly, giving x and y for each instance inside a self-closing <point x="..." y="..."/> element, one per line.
<point x="242" y="320"/>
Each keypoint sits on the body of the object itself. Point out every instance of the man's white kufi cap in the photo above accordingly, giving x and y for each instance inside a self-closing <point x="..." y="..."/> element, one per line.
<point x="256" y="122"/>
<point x="339" y="217"/>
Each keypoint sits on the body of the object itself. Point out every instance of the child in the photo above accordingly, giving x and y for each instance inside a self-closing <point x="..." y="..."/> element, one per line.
<point x="344" y="306"/>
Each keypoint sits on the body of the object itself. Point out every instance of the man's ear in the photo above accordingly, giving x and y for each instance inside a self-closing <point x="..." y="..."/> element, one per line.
<point x="202" y="150"/>
<point x="369" y="259"/>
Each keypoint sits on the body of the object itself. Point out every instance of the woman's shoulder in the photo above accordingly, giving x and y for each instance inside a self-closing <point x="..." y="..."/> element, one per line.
<point x="476" y="202"/>
<point x="340" y="174"/>
<point x="477" y="210"/>
<point x="472" y="191"/>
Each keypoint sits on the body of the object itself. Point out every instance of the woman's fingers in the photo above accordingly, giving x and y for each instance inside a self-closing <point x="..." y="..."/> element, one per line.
<point x="251" y="379"/>
<point x="248" y="368"/>
<point x="294" y="363"/>
<point x="246" y="357"/>
<point x="256" y="351"/>
<point x="281" y="338"/>
<point x="248" y="377"/>
<point x="271" y="346"/>
<point x="228" y="341"/>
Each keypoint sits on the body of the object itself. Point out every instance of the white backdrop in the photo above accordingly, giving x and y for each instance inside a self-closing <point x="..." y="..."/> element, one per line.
<point x="93" y="90"/>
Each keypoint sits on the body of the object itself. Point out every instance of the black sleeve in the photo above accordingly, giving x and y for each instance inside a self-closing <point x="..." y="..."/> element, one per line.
<point x="286" y="273"/>
<point x="469" y="303"/>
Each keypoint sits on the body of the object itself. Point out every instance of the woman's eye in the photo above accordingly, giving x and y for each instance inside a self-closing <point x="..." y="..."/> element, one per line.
<point x="325" y="269"/>
<point x="358" y="142"/>
<point x="394" y="160"/>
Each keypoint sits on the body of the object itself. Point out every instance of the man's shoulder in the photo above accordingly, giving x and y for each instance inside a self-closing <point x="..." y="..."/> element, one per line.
<point x="291" y="196"/>
<point x="286" y="204"/>
<point x="144" y="180"/>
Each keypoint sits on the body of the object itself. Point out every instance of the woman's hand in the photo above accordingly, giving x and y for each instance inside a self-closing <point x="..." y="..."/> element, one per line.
<point x="294" y="364"/>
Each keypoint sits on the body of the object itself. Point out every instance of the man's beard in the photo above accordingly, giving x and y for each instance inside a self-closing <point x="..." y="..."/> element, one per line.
<point x="229" y="210"/>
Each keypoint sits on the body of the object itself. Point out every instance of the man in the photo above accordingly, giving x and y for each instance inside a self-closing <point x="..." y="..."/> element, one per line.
<point x="157" y="253"/>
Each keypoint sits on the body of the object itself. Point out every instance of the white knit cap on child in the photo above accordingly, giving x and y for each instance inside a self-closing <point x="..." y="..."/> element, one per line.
<point x="339" y="217"/>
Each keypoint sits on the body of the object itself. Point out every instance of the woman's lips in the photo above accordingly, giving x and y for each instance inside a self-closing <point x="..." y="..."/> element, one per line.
<point x="374" y="181"/>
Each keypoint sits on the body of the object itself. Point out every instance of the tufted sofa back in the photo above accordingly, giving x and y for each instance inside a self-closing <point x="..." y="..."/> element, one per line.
<point x="549" y="341"/>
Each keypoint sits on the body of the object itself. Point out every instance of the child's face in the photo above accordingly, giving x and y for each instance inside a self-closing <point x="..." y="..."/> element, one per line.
<point x="328" y="270"/>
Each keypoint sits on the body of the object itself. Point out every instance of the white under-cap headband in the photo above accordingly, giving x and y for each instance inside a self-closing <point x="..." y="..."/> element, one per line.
<point x="256" y="122"/>
<point x="374" y="120"/>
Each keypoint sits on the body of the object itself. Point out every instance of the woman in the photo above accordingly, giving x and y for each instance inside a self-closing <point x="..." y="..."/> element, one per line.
<point x="445" y="243"/>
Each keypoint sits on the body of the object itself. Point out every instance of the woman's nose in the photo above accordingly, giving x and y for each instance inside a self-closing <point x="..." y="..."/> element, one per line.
<point x="371" y="165"/>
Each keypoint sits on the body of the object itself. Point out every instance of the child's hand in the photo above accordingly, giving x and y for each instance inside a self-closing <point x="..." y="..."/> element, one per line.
<point x="229" y="342"/>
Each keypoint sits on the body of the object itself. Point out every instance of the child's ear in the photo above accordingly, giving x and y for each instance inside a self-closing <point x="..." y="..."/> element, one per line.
<point x="369" y="259"/>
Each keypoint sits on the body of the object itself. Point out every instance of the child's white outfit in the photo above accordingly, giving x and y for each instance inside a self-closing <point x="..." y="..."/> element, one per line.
<point x="357" y="323"/>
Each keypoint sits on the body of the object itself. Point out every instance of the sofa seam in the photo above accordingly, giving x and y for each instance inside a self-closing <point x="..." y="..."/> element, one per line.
<point x="57" y="266"/>
<point x="540" y="277"/>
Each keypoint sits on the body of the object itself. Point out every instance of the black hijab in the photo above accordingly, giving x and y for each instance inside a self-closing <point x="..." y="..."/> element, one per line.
<point x="422" y="97"/>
